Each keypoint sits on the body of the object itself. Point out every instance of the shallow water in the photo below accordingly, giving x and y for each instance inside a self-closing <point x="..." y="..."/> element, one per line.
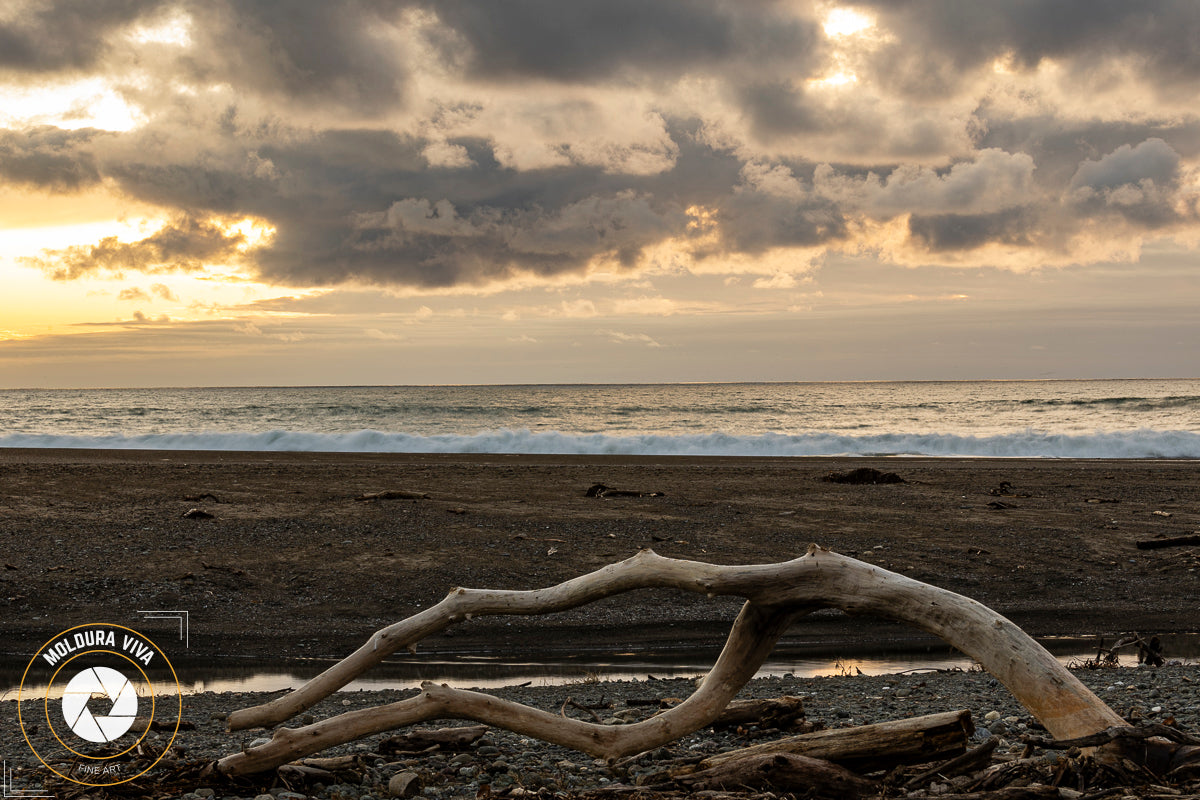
<point x="469" y="670"/>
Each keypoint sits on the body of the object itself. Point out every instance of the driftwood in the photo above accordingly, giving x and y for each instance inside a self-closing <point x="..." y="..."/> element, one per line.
<point x="959" y="765"/>
<point x="781" y="772"/>
<point x="392" y="494"/>
<point x="419" y="740"/>
<point x="1174" y="541"/>
<point x="773" y="712"/>
<point x="776" y="594"/>
<point x="602" y="491"/>
<point x="863" y="476"/>
<point x="908" y="741"/>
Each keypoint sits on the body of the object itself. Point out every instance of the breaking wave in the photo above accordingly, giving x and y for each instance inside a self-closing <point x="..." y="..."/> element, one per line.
<point x="1025" y="444"/>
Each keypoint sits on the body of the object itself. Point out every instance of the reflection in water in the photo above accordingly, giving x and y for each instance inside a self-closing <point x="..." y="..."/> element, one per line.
<point x="475" y="671"/>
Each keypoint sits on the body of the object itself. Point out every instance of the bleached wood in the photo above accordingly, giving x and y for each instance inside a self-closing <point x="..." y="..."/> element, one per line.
<point x="915" y="740"/>
<point x="776" y="594"/>
<point x="751" y="640"/>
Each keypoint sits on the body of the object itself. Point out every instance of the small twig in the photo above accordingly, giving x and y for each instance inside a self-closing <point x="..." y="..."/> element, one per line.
<point x="965" y="762"/>
<point x="1111" y="735"/>
<point x="570" y="701"/>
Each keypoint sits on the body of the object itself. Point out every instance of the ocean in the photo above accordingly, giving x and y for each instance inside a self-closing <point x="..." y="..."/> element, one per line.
<point x="1040" y="419"/>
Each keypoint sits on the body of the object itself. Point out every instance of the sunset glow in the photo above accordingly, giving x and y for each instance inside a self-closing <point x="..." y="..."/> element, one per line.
<point x="677" y="190"/>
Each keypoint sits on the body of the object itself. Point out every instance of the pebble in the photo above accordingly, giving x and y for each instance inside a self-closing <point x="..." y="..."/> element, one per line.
<point x="502" y="759"/>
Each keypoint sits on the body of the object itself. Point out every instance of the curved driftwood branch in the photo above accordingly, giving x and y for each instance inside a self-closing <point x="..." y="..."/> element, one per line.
<point x="775" y="594"/>
<point x="751" y="640"/>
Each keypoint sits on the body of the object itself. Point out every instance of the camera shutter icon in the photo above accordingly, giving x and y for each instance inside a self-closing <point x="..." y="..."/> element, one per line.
<point x="103" y="682"/>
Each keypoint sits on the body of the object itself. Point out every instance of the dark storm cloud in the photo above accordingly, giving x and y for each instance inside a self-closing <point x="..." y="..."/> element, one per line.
<point x="65" y="34"/>
<point x="586" y="40"/>
<point x="956" y="232"/>
<point x="288" y="106"/>
<point x="938" y="42"/>
<point x="323" y="50"/>
<point x="48" y="158"/>
<point x="314" y="50"/>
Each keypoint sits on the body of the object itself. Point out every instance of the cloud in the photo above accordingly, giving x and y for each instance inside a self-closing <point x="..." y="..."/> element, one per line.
<point x="620" y="337"/>
<point x="386" y="336"/>
<point x="64" y="35"/>
<point x="937" y="45"/>
<point x="591" y="40"/>
<point x="48" y="158"/>
<point x="278" y="334"/>
<point x="1152" y="160"/>
<point x="468" y="145"/>
<point x="185" y="244"/>
<point x="1138" y="184"/>
<point x="133" y="293"/>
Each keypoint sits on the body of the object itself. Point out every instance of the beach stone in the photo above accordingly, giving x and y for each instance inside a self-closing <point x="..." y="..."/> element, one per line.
<point x="404" y="784"/>
<point x="342" y="791"/>
<point x="205" y="792"/>
<point x="264" y="797"/>
<point x="488" y="750"/>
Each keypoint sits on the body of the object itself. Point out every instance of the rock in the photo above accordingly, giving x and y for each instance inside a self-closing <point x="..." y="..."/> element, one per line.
<point x="404" y="784"/>
<point x="863" y="476"/>
<point x="204" y="792"/>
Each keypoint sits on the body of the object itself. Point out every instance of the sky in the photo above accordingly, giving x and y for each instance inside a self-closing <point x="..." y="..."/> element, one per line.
<point x="314" y="192"/>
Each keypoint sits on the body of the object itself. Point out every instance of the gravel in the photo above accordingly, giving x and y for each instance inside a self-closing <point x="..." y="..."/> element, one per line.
<point x="503" y="760"/>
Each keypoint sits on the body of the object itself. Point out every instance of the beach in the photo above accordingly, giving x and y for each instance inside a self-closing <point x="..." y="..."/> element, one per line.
<point x="280" y="558"/>
<point x="302" y="555"/>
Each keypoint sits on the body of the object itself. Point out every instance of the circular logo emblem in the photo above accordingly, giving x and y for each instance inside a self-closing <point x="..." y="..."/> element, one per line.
<point x="111" y="704"/>
<point x="105" y="683"/>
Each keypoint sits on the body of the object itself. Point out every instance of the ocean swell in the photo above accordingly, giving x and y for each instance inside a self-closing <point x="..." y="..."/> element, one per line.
<point x="1025" y="444"/>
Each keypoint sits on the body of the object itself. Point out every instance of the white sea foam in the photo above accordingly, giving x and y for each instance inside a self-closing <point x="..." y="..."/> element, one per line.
<point x="1025" y="444"/>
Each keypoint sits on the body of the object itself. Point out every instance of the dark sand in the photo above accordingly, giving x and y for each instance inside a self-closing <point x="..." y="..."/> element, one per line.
<point x="292" y="565"/>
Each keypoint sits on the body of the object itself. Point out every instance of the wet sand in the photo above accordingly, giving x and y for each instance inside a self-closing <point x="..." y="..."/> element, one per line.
<point x="291" y="564"/>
